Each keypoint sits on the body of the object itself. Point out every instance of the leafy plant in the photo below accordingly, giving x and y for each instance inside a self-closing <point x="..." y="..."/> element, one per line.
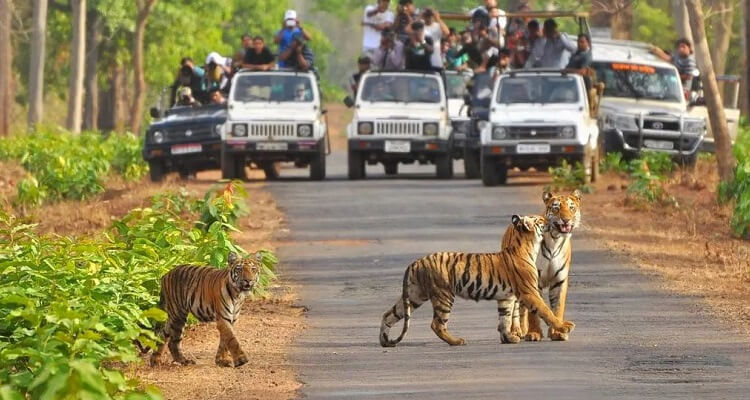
<point x="739" y="189"/>
<point x="70" y="309"/>
<point x="647" y="187"/>
<point x="568" y="176"/>
<point x="613" y="162"/>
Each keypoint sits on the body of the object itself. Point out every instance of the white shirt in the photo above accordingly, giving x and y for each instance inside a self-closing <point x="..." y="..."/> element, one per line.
<point x="436" y="33"/>
<point x="370" y="35"/>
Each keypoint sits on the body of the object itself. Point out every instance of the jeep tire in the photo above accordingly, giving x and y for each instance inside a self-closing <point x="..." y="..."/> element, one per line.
<point x="356" y="165"/>
<point x="472" y="167"/>
<point x="269" y="168"/>
<point x="493" y="174"/>
<point x="444" y="166"/>
<point x="318" y="165"/>
<point x="156" y="171"/>
<point x="391" y="167"/>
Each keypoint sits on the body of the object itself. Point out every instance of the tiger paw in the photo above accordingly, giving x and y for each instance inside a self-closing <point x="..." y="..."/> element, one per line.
<point x="517" y="331"/>
<point x="511" y="338"/>
<point x="533" y="336"/>
<point x="565" y="327"/>
<point x="185" y="361"/>
<point x="155" y="360"/>
<point x="458" y="342"/>
<point x="241" y="360"/>
<point x="558" y="336"/>
<point x="222" y="362"/>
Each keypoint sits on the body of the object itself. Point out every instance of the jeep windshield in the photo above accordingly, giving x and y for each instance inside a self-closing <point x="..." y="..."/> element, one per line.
<point x="639" y="81"/>
<point x="456" y="85"/>
<point x="538" y="89"/>
<point x="401" y="89"/>
<point x="264" y="88"/>
<point x="191" y="112"/>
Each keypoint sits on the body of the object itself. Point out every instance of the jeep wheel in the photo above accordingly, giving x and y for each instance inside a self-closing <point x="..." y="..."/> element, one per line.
<point x="444" y="166"/>
<point x="318" y="165"/>
<point x="228" y="170"/>
<point x="472" y="168"/>
<point x="356" y="165"/>
<point x="493" y="174"/>
<point x="156" y="171"/>
<point x="269" y="168"/>
<point x="391" y="168"/>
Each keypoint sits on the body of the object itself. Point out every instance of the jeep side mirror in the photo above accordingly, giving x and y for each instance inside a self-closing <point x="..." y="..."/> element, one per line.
<point x="467" y="99"/>
<point x="154" y="112"/>
<point x="348" y="101"/>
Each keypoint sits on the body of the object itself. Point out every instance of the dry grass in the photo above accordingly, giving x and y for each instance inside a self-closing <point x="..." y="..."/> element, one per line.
<point x="690" y="246"/>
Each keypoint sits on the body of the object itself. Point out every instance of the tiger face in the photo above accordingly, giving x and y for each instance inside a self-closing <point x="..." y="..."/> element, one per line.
<point x="563" y="212"/>
<point x="244" y="272"/>
<point x="535" y="224"/>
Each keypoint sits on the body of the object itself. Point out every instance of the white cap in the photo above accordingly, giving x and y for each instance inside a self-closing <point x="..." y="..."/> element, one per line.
<point x="216" y="58"/>
<point x="290" y="14"/>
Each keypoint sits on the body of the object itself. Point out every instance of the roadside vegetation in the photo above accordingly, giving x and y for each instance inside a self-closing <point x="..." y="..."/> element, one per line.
<point x="738" y="191"/>
<point x="63" y="166"/>
<point x="72" y="309"/>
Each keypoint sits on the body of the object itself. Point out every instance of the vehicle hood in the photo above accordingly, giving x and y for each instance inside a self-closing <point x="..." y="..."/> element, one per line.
<point x="274" y="112"/>
<point x="636" y="106"/>
<point x="401" y="111"/>
<point x="457" y="109"/>
<point x="182" y="120"/>
<point x="539" y="114"/>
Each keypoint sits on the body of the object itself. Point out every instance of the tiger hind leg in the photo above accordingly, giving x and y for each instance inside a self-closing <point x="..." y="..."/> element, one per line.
<point x="505" y="311"/>
<point x="441" y="311"/>
<point x="173" y="329"/>
<point x="227" y="337"/>
<point x="157" y="355"/>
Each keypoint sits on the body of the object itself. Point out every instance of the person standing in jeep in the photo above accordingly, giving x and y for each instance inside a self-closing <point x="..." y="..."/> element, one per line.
<point x="297" y="55"/>
<point x="419" y="49"/>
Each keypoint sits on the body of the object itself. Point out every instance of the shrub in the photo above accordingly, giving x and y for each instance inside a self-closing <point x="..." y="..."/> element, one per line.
<point x="646" y="187"/>
<point x="70" y="309"/>
<point x="613" y="162"/>
<point x="739" y="189"/>
<point x="568" y="176"/>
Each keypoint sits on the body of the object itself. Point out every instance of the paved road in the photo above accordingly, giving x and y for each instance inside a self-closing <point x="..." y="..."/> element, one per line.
<point x="350" y="243"/>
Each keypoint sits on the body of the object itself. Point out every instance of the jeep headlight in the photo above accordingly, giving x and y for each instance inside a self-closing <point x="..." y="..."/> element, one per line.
<point x="304" y="130"/>
<point x="239" y="130"/>
<point x="364" y="128"/>
<point x="158" y="137"/>
<point x="568" y="132"/>
<point x="430" y="129"/>
<point x="499" y="133"/>
<point x="694" y="126"/>
<point x="621" y="122"/>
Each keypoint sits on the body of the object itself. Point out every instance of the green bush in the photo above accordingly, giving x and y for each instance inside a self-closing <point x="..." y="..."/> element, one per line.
<point x="66" y="166"/>
<point x="646" y="186"/>
<point x="739" y="189"/>
<point x="568" y="176"/>
<point x="613" y="162"/>
<point x="71" y="309"/>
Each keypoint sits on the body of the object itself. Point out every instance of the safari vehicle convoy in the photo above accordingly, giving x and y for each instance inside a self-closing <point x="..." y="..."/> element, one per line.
<point x="400" y="117"/>
<point x="274" y="116"/>
<point x="185" y="139"/>
<point x="537" y="119"/>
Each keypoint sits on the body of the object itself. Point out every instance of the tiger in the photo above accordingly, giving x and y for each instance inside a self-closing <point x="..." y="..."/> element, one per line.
<point x="210" y="294"/>
<point x="553" y="265"/>
<point x="503" y="276"/>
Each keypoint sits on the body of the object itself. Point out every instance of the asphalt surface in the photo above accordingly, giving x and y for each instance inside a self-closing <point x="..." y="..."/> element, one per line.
<point x="351" y="241"/>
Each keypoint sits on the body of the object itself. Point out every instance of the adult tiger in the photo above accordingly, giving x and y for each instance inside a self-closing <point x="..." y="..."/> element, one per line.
<point x="210" y="294"/>
<point x="564" y="215"/>
<point x="503" y="276"/>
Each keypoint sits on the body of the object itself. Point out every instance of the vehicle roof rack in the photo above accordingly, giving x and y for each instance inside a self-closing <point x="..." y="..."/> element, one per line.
<point x="514" y="72"/>
<point x="454" y="16"/>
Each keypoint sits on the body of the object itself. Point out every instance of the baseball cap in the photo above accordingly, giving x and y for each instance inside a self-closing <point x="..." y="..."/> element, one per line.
<point x="290" y="14"/>
<point x="216" y="58"/>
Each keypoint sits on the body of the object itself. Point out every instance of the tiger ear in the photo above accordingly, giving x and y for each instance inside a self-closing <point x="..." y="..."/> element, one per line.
<point x="232" y="258"/>
<point x="546" y="196"/>
<point x="258" y="256"/>
<point x="577" y="194"/>
<point x="516" y="220"/>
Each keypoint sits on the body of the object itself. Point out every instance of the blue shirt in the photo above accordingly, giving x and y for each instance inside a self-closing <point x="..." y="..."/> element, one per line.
<point x="286" y="40"/>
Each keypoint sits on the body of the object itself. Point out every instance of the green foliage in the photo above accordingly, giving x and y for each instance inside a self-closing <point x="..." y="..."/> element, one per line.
<point x="70" y="309"/>
<point x="657" y="163"/>
<point x="613" y="162"/>
<point x="66" y="166"/>
<point x="739" y="189"/>
<point x="647" y="184"/>
<point x="568" y="176"/>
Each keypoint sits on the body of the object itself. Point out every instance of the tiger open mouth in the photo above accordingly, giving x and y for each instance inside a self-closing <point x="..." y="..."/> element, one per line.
<point x="564" y="227"/>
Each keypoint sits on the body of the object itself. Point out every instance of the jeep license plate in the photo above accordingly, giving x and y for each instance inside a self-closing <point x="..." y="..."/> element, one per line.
<point x="658" y="144"/>
<point x="397" y="146"/>
<point x="187" y="148"/>
<point x="272" y="146"/>
<point x="532" y="148"/>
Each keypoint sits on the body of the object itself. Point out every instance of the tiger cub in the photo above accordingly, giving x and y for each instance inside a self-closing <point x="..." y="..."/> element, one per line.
<point x="210" y="294"/>
<point x="553" y="263"/>
<point x="503" y="277"/>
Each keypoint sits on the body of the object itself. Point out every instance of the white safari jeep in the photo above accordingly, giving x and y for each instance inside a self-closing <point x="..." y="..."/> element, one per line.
<point x="274" y="116"/>
<point x="400" y="117"/>
<point x="537" y="119"/>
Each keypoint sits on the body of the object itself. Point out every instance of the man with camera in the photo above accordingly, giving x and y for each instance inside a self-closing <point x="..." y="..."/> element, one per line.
<point x="419" y="49"/>
<point x="188" y="76"/>
<point x="291" y="27"/>
<point x="297" y="55"/>
<point x="377" y="17"/>
<point x="390" y="54"/>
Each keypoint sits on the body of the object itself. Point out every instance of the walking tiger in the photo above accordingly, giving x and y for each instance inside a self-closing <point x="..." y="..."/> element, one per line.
<point x="503" y="276"/>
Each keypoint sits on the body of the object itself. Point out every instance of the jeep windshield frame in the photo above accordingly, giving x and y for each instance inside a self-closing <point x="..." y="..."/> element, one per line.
<point x="408" y="88"/>
<point x="538" y="89"/>
<point x="274" y="87"/>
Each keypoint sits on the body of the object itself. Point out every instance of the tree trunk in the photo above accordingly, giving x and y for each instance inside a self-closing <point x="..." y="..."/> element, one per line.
<point x="36" y="64"/>
<point x="614" y="14"/>
<point x="93" y="39"/>
<point x="680" y="18"/>
<point x="119" y="98"/>
<point x="745" y="40"/>
<point x="6" y="71"/>
<point x="724" y="156"/>
<point x="78" y="52"/>
<point x="136" y="110"/>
